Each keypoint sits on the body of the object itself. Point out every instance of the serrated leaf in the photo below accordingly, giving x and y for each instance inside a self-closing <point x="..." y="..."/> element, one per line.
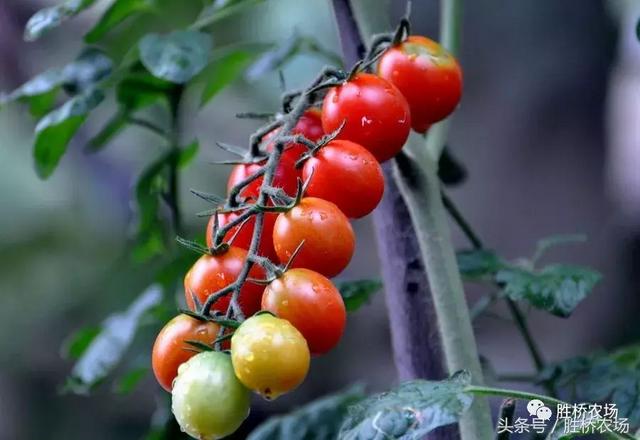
<point x="119" y="11"/>
<point x="107" y="349"/>
<point x="604" y="378"/>
<point x="176" y="57"/>
<point x="358" y="293"/>
<point x="318" y="420"/>
<point x="56" y="129"/>
<point x="558" y="289"/>
<point x="224" y="71"/>
<point x="478" y="264"/>
<point x="410" y="411"/>
<point x="80" y="75"/>
<point x="48" y="18"/>
<point x="130" y="380"/>
<point x="76" y="344"/>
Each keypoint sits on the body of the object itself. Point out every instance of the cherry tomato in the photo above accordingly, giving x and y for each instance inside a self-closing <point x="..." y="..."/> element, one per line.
<point x="285" y="177"/>
<point x="311" y="303"/>
<point x="376" y="114"/>
<point x="170" y="349"/>
<point x="208" y="401"/>
<point x="427" y="75"/>
<point x="214" y="272"/>
<point x="346" y="174"/>
<point x="328" y="238"/>
<point x="309" y="125"/>
<point x="269" y="355"/>
<point x="244" y="232"/>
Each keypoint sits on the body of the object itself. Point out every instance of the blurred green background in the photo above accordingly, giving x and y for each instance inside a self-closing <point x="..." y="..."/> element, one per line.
<point x="538" y="129"/>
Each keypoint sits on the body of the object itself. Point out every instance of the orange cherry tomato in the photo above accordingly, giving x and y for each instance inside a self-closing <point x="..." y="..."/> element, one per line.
<point x="328" y="238"/>
<point x="310" y="302"/>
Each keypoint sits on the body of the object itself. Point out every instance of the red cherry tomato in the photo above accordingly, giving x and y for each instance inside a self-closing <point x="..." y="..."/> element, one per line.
<point x="376" y="114"/>
<point x="170" y="349"/>
<point x="309" y="125"/>
<point x="214" y="272"/>
<point x="311" y="303"/>
<point x="328" y="238"/>
<point x="427" y="75"/>
<point x="244" y="232"/>
<point x="285" y="177"/>
<point x="346" y="174"/>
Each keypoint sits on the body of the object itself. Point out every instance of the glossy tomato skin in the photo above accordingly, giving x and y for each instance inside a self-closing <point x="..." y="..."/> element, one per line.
<point x="214" y="272"/>
<point x="207" y="400"/>
<point x="269" y="355"/>
<point x="346" y="174"/>
<point x="309" y="125"/>
<point x="245" y="232"/>
<point x="285" y="177"/>
<point x="428" y="76"/>
<point x="310" y="302"/>
<point x="376" y="113"/>
<point x="329" y="240"/>
<point x="170" y="349"/>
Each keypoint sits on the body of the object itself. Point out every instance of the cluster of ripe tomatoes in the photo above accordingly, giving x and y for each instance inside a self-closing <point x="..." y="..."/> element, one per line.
<point x="417" y="84"/>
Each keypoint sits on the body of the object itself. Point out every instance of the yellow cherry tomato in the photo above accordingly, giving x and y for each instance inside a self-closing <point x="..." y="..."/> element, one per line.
<point x="269" y="355"/>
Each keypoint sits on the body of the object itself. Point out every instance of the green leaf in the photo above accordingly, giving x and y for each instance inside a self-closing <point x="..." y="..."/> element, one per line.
<point x="188" y="153"/>
<point x="141" y="89"/>
<point x="76" y="344"/>
<point x="410" y="411"/>
<point x="176" y="57"/>
<point x="224" y="71"/>
<point x="558" y="289"/>
<point x="605" y="378"/>
<point x="91" y="66"/>
<point x="358" y="293"/>
<point x="48" y="18"/>
<point x="134" y="92"/>
<point x="56" y="129"/>
<point x="130" y="380"/>
<point x="119" y="11"/>
<point x="318" y="420"/>
<point x="106" y="349"/>
<point x="476" y="264"/>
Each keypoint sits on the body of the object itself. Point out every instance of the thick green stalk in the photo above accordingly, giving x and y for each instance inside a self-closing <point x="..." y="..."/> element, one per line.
<point x="420" y="185"/>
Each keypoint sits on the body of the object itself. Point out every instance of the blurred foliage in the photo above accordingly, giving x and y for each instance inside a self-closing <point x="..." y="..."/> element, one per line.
<point x="557" y="289"/>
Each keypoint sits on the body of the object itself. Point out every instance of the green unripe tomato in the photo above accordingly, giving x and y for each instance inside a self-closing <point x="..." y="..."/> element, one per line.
<point x="208" y="401"/>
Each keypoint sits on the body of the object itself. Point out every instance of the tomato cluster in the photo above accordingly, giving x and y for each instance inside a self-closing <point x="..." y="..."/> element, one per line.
<point x="292" y="307"/>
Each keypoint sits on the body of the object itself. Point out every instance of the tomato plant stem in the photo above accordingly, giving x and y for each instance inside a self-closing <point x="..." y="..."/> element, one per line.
<point x="414" y="335"/>
<point x="173" y="191"/>
<point x="420" y="185"/>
